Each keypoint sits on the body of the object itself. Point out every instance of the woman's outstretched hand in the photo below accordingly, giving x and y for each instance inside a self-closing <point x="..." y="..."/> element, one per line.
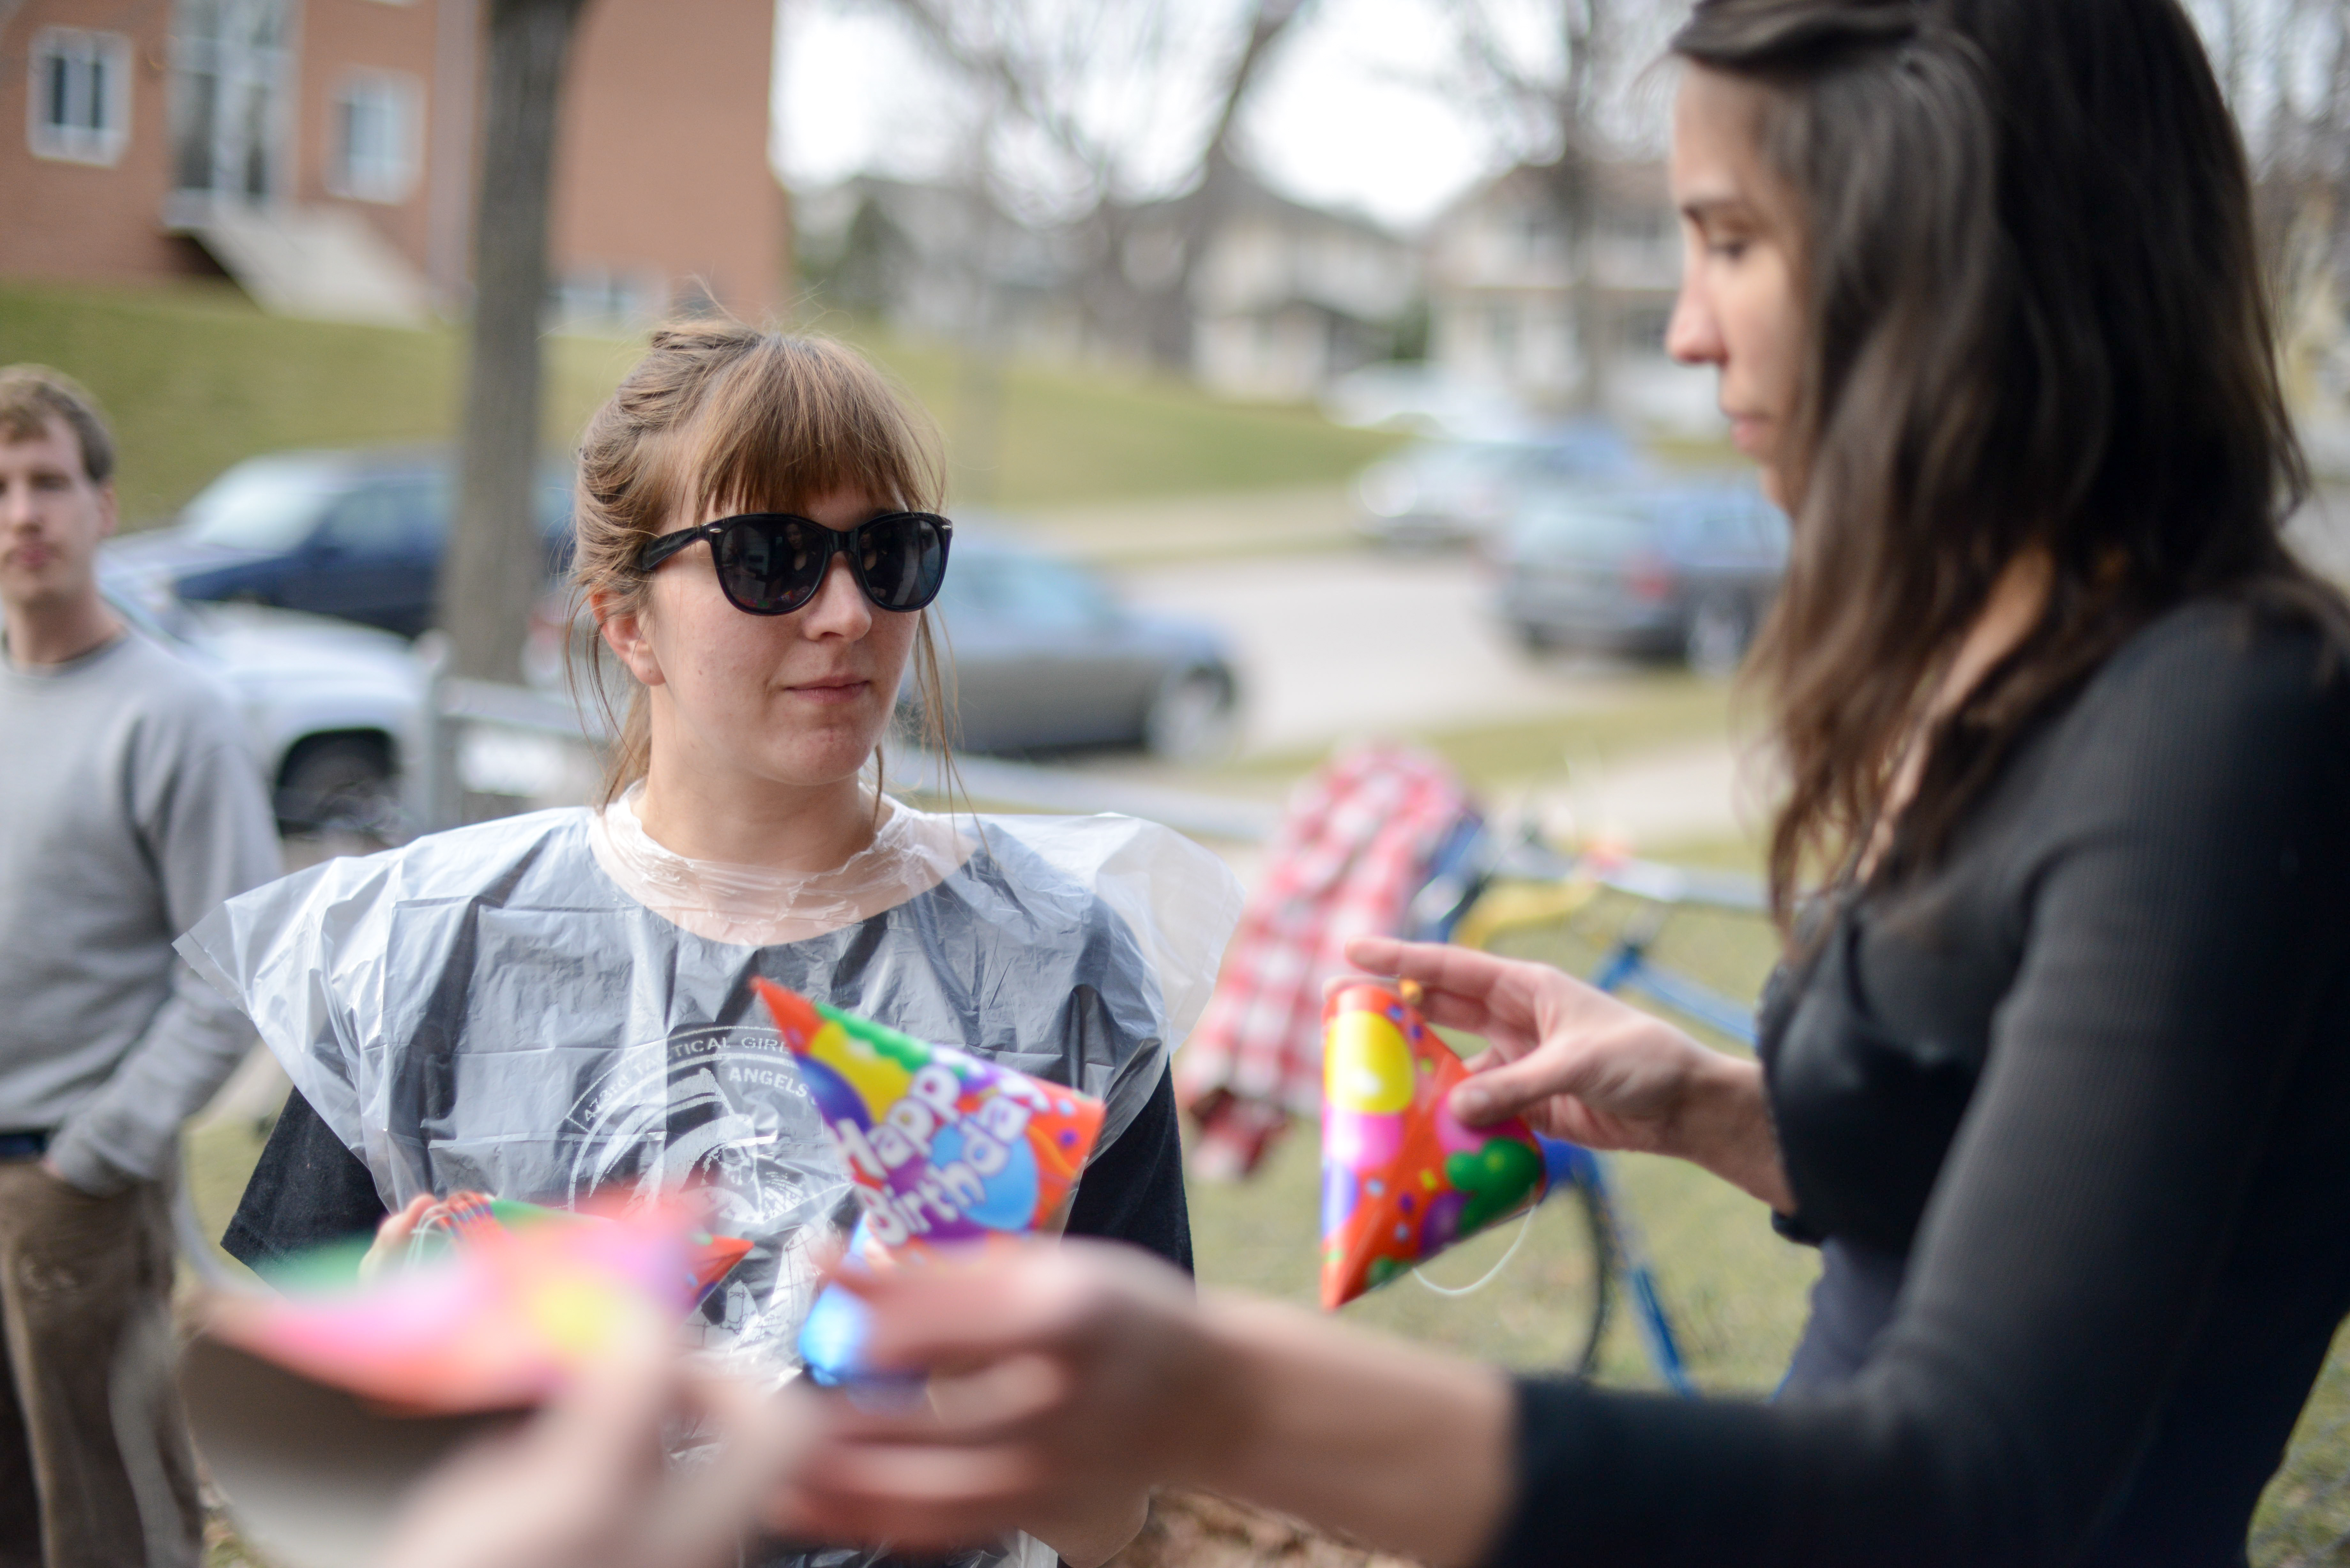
<point x="586" y="1482"/>
<point x="1081" y="1372"/>
<point x="1064" y="1373"/>
<point x="1577" y="1064"/>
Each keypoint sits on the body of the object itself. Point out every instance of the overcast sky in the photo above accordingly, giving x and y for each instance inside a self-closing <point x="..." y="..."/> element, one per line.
<point x="1362" y="107"/>
<point x="1354" y="112"/>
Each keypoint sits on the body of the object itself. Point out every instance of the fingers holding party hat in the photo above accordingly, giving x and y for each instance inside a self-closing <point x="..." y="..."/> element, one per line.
<point x="1402" y="1178"/>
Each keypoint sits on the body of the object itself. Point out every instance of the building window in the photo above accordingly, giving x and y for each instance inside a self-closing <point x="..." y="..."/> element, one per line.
<point x="598" y="299"/>
<point x="80" y="97"/>
<point x="1501" y="337"/>
<point x="377" y="117"/>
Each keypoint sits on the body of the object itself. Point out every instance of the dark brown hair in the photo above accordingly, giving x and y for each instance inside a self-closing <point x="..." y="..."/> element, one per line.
<point x="2037" y="321"/>
<point x="33" y="395"/>
<point x="720" y="414"/>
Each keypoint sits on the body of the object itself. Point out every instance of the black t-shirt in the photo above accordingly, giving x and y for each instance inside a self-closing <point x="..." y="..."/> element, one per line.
<point x="308" y="1188"/>
<point x="2072" y="1113"/>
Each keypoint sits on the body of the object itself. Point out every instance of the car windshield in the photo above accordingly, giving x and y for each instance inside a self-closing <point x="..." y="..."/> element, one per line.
<point x="1569" y="528"/>
<point x="266" y="503"/>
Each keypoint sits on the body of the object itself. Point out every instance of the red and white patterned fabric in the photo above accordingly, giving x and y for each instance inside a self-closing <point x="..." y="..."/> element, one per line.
<point x="1352" y="849"/>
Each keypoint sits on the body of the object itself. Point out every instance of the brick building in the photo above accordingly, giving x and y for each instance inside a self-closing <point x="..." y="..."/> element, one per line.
<point x="323" y="151"/>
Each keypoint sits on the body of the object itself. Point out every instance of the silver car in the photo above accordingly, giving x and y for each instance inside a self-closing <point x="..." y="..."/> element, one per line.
<point x="1686" y="571"/>
<point x="1045" y="657"/>
<point x="331" y="710"/>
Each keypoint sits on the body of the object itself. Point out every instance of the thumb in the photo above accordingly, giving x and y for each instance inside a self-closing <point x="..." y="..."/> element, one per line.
<point x="1507" y="1090"/>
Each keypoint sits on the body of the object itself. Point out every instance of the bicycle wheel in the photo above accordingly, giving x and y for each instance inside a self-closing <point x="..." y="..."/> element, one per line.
<point x="1531" y="1291"/>
<point x="1591" y="1214"/>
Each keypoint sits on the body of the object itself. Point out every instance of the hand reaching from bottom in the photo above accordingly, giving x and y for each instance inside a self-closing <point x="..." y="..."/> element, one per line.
<point x="585" y="1483"/>
<point x="1062" y="1375"/>
<point x="1040" y="1375"/>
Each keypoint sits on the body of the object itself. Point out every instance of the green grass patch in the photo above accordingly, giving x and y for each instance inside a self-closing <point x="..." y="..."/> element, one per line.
<point x="1661" y="709"/>
<point x="1040" y="435"/>
<point x="1658" y="709"/>
<point x="195" y="377"/>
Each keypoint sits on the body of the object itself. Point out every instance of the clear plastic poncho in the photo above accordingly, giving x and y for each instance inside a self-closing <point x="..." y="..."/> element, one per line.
<point x="552" y="1005"/>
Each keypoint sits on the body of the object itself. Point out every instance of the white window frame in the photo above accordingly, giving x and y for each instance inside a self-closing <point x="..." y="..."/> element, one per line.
<point x="101" y="145"/>
<point x="593" y="298"/>
<point x="392" y="183"/>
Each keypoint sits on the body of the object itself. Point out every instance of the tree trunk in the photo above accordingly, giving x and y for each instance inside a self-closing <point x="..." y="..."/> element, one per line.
<point x="495" y="563"/>
<point x="1169" y="312"/>
<point x="1578" y="194"/>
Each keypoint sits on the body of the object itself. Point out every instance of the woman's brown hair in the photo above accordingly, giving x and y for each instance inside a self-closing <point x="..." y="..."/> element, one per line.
<point x="720" y="414"/>
<point x="2036" y="321"/>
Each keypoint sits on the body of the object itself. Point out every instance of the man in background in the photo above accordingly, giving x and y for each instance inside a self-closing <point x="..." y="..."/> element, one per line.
<point x="130" y="808"/>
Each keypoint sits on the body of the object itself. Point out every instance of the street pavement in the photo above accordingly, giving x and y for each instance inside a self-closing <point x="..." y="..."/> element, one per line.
<point x="1345" y="643"/>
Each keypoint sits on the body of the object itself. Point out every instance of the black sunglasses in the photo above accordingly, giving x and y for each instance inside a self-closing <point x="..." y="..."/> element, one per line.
<point x="771" y="562"/>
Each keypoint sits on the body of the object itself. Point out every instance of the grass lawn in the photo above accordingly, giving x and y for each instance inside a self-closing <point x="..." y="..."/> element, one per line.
<point x="194" y="377"/>
<point x="1656" y="710"/>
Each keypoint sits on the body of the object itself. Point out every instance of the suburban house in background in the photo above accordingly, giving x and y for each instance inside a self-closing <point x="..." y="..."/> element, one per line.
<point x="1289" y="296"/>
<point x="1285" y="295"/>
<point x="323" y="154"/>
<point x="939" y="259"/>
<point x="1502" y="279"/>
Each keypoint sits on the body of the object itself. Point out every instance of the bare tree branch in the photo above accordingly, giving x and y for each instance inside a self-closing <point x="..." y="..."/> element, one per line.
<point x="1043" y="64"/>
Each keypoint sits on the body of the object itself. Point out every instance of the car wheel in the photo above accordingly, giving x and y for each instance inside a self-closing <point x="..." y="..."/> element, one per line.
<point x="1195" y="717"/>
<point x="1718" y="631"/>
<point x="339" y="784"/>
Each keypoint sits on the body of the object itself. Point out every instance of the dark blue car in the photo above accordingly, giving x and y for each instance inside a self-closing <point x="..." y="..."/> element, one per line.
<point x="357" y="535"/>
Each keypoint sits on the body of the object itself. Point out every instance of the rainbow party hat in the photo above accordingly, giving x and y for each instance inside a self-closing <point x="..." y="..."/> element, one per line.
<point x="947" y="1151"/>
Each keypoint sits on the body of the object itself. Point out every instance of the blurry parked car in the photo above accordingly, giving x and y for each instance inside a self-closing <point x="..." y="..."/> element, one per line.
<point x="1042" y="655"/>
<point x="1444" y="492"/>
<point x="1045" y="656"/>
<point x="354" y="535"/>
<point x="330" y="709"/>
<point x="1688" y="571"/>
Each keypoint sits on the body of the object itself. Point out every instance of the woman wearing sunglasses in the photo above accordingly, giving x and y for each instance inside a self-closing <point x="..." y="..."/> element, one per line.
<point x="559" y="1004"/>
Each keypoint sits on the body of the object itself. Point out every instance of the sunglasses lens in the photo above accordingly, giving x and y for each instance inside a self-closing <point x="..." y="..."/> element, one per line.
<point x="903" y="560"/>
<point x="773" y="565"/>
<point x="770" y="566"/>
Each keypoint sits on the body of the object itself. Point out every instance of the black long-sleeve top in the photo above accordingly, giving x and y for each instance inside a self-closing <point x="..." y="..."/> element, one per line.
<point x="2072" y="1112"/>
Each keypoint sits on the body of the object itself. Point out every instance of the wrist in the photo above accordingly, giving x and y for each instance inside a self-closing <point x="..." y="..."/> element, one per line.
<point x="1400" y="1447"/>
<point x="1726" y="1128"/>
<point x="1236" y="1397"/>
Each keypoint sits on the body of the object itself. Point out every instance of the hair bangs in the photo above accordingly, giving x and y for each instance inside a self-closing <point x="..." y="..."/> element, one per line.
<point x="797" y="420"/>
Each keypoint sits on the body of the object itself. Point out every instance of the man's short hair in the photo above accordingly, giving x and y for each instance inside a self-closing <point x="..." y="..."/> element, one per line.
<point x="33" y="395"/>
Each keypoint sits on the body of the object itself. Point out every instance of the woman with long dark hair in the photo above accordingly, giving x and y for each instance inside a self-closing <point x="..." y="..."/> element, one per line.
<point x="2057" y="1069"/>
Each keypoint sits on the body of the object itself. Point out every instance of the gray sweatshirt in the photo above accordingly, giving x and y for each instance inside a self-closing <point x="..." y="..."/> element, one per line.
<point x="130" y="809"/>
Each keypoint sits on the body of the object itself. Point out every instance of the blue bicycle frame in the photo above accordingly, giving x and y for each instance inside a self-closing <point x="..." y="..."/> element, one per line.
<point x="1465" y="863"/>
